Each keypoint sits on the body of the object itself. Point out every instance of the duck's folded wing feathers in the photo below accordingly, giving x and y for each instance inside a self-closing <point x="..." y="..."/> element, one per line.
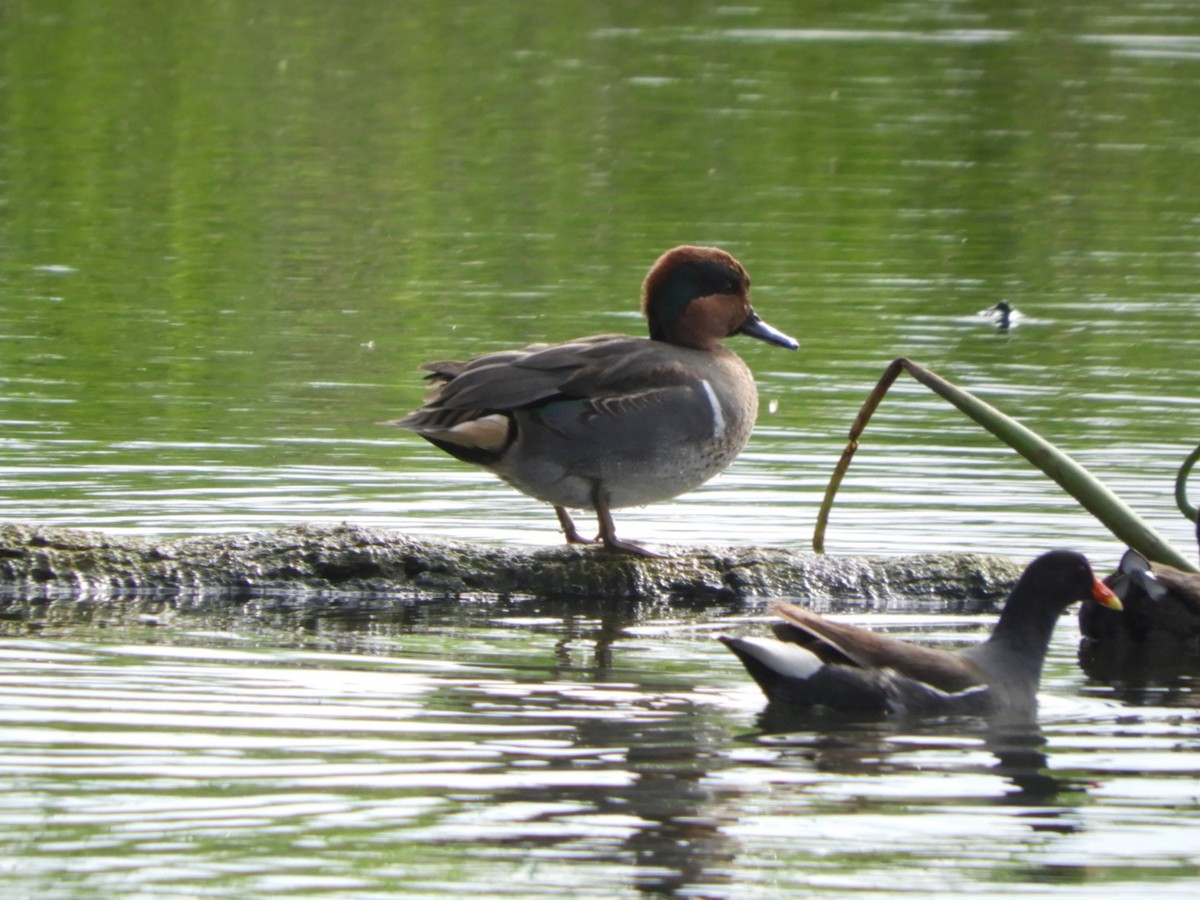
<point x="609" y="370"/>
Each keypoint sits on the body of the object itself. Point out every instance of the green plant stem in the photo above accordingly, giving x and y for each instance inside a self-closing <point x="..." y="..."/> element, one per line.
<point x="1077" y="481"/>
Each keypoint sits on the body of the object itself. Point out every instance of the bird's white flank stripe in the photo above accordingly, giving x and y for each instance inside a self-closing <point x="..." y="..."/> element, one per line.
<point x="791" y="660"/>
<point x="715" y="404"/>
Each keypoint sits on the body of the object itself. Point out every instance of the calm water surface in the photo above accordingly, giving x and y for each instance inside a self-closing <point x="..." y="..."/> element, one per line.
<point x="512" y="749"/>
<point x="228" y="236"/>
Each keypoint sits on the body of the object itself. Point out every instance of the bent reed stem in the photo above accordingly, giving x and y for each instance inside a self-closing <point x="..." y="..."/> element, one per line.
<point x="1073" y="478"/>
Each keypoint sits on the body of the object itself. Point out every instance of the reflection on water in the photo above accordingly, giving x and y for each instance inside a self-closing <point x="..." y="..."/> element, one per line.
<point x="513" y="749"/>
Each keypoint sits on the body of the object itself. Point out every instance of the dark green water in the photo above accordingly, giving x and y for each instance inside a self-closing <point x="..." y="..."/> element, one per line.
<point x="230" y="232"/>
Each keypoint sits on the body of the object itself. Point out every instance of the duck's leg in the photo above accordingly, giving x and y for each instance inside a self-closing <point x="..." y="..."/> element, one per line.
<point x="568" y="527"/>
<point x="608" y="532"/>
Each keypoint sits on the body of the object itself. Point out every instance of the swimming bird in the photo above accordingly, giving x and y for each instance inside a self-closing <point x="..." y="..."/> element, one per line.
<point x="1162" y="605"/>
<point x="817" y="662"/>
<point x="1003" y="315"/>
<point x="610" y="421"/>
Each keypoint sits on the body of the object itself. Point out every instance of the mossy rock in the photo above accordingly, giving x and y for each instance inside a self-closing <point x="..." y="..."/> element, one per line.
<point x="40" y="561"/>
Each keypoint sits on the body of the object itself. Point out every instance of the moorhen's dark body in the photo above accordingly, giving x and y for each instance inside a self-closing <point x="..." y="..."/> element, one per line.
<point x="1161" y="603"/>
<point x="816" y="662"/>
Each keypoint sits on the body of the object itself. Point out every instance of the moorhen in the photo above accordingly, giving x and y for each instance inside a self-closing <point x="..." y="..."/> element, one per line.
<point x="1162" y="605"/>
<point x="817" y="662"/>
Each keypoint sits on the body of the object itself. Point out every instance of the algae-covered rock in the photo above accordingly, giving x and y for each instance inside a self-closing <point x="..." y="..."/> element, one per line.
<point x="345" y="559"/>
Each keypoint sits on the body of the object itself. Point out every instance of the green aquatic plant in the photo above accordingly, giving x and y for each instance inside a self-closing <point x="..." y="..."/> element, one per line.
<point x="1077" y="481"/>
<point x="1190" y="512"/>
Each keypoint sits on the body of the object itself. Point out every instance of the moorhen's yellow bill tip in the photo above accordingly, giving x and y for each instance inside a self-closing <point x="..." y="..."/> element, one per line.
<point x="1103" y="595"/>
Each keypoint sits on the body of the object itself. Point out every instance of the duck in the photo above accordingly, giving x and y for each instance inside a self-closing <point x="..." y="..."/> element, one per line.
<point x="1003" y="315"/>
<point x="815" y="662"/>
<point x="1162" y="605"/>
<point x="609" y="421"/>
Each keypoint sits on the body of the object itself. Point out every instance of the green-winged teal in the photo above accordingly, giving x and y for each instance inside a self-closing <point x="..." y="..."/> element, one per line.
<point x="611" y="420"/>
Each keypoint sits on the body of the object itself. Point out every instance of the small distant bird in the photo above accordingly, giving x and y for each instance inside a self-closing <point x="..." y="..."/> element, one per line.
<point x="1003" y="315"/>
<point x="610" y="421"/>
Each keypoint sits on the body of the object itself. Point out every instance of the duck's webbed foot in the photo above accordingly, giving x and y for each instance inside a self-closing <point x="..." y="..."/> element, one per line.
<point x="568" y="527"/>
<point x="608" y="535"/>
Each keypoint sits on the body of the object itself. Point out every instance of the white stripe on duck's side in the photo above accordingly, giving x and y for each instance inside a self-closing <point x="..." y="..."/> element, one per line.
<point x="715" y="405"/>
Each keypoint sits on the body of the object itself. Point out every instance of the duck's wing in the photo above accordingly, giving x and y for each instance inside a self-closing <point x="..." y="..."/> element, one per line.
<point x="609" y="373"/>
<point x="944" y="670"/>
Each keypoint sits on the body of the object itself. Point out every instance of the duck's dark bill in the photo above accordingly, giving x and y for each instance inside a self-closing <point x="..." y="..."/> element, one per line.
<point x="756" y="328"/>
